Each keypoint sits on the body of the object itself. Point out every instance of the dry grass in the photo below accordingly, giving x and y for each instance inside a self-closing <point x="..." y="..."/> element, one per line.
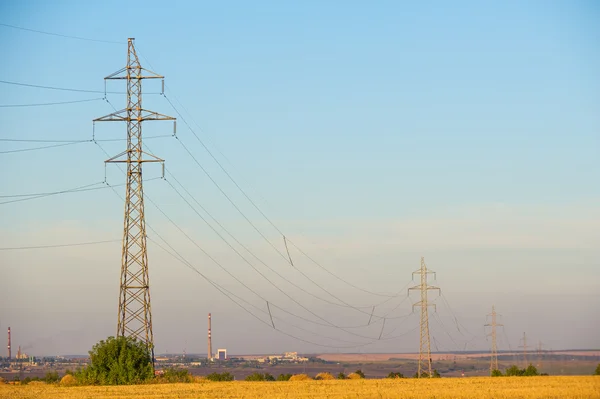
<point x="443" y="388"/>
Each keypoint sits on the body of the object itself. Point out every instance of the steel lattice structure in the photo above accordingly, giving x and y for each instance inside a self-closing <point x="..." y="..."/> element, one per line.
<point x="424" y="341"/>
<point x="494" y="355"/>
<point x="135" y="315"/>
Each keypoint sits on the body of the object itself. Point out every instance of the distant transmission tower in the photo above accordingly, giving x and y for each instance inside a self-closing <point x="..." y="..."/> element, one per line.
<point x="424" y="342"/>
<point x="540" y="353"/>
<point x="524" y="346"/>
<point x="494" y="357"/>
<point x="135" y="316"/>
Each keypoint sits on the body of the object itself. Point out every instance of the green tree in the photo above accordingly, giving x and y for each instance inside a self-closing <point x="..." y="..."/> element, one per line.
<point x="514" y="371"/>
<point x="51" y="376"/>
<point x="220" y="377"/>
<point x="496" y="373"/>
<point x="176" y="375"/>
<point x="284" y="377"/>
<point x="395" y="375"/>
<point x="341" y="376"/>
<point x="597" y="370"/>
<point x="530" y="371"/>
<point x="117" y="361"/>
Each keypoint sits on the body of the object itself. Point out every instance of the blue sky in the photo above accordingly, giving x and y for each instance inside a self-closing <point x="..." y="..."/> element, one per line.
<point x="370" y="134"/>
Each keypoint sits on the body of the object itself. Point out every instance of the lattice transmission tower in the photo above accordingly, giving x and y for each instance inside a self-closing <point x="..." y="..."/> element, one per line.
<point x="524" y="346"/>
<point x="494" y="355"/>
<point x="135" y="315"/>
<point x="424" y="341"/>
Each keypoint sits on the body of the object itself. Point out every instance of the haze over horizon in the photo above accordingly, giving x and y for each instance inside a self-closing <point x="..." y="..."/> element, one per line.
<point x="370" y="135"/>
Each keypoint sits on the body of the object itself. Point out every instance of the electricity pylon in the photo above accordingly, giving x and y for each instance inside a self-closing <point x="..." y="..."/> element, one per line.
<point x="524" y="346"/>
<point x="135" y="316"/>
<point x="424" y="342"/>
<point x="540" y="353"/>
<point x="494" y="357"/>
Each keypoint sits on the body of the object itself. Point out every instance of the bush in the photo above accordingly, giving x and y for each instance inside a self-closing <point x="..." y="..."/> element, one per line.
<point x="359" y="372"/>
<point x="260" y="377"/>
<point x="220" y="377"/>
<point x="395" y="375"/>
<point x="51" y="377"/>
<point x="354" y="376"/>
<point x="117" y="361"/>
<point x="597" y="370"/>
<point x="496" y="373"/>
<point x="530" y="371"/>
<point x="68" y="381"/>
<point x="514" y="371"/>
<point x="176" y="375"/>
<point x="300" y="377"/>
<point x="341" y="376"/>
<point x="324" y="376"/>
<point x="284" y="377"/>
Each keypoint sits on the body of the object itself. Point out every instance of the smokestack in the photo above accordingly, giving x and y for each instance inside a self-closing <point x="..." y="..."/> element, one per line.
<point x="209" y="339"/>
<point x="9" y="354"/>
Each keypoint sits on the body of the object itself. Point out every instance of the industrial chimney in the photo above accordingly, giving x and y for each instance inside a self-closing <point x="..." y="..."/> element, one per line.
<point x="9" y="354"/>
<point x="209" y="355"/>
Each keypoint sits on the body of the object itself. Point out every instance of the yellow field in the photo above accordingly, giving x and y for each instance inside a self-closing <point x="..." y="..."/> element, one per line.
<point x="445" y="388"/>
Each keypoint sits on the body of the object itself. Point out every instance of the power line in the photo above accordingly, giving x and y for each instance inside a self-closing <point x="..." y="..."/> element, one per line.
<point x="255" y="206"/>
<point x="76" y="141"/>
<point x="8" y="82"/>
<point x="61" y="35"/>
<point x="87" y="187"/>
<point x="57" y="245"/>
<point x="245" y="247"/>
<point x="47" y="104"/>
<point x="45" y="147"/>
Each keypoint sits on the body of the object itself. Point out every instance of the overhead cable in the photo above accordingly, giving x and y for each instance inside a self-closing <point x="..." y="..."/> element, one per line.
<point x="57" y="245"/>
<point x="45" y="147"/>
<point x="47" y="104"/>
<point x="61" y="35"/>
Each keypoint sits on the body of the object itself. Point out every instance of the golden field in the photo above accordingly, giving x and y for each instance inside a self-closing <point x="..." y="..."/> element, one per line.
<point x="444" y="388"/>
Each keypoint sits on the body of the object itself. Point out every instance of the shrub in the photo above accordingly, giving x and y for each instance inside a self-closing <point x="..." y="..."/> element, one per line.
<point x="359" y="372"/>
<point x="176" y="375"/>
<point x="300" y="377"/>
<point x="51" y="377"/>
<point x="354" y="376"/>
<point x="597" y="370"/>
<point x="260" y="377"/>
<point x="341" y="376"/>
<point x="284" y="377"/>
<point x="513" y="371"/>
<point x="395" y="375"/>
<point x="68" y="381"/>
<point x="530" y="371"/>
<point x="117" y="361"/>
<point x="324" y="376"/>
<point x="220" y="377"/>
<point x="496" y="373"/>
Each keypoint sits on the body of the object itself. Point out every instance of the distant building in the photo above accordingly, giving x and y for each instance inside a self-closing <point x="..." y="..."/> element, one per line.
<point x="221" y="354"/>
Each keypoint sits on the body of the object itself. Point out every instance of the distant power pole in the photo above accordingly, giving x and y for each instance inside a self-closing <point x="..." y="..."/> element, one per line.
<point x="424" y="342"/>
<point x="135" y="316"/>
<point x="524" y="346"/>
<point x="540" y="353"/>
<point x="209" y="352"/>
<point x="494" y="357"/>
